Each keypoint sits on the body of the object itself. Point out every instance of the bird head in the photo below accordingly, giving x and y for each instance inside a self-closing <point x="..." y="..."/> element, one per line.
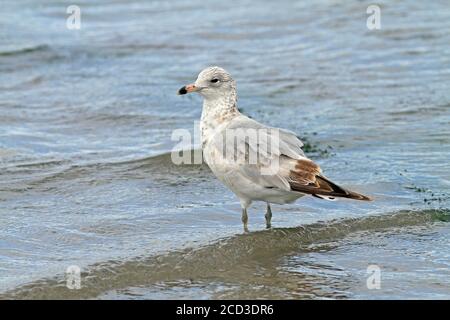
<point x="212" y="83"/>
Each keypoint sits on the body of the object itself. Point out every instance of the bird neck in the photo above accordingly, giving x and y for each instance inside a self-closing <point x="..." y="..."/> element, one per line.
<point x="219" y="106"/>
<point x="217" y="111"/>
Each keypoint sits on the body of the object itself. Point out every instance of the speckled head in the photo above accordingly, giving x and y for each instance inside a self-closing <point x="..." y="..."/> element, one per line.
<point x="212" y="83"/>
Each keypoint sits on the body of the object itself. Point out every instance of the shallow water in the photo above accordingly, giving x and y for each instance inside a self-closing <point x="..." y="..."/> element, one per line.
<point x="86" y="177"/>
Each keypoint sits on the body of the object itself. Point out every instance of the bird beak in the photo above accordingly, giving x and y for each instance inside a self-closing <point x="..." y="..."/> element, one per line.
<point x="187" y="89"/>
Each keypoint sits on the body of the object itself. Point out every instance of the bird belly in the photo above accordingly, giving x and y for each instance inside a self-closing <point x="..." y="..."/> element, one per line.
<point x="242" y="186"/>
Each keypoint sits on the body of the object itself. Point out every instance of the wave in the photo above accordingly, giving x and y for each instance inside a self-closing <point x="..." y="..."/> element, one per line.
<point x="162" y="158"/>
<point x="237" y="257"/>
<point x="24" y="50"/>
<point x="40" y="175"/>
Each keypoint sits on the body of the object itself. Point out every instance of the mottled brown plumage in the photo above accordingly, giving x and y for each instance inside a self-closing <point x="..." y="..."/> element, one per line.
<point x="307" y="178"/>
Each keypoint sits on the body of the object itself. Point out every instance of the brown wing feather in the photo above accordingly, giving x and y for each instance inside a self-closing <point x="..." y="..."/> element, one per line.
<point x="307" y="178"/>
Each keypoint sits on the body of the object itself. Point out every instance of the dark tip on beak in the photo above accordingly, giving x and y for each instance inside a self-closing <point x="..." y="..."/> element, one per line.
<point x="182" y="90"/>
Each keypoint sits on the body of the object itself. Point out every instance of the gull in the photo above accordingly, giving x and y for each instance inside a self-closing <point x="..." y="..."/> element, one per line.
<point x="258" y="162"/>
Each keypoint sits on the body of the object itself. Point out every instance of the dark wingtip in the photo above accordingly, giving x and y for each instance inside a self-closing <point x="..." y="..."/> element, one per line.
<point x="182" y="90"/>
<point x="358" y="196"/>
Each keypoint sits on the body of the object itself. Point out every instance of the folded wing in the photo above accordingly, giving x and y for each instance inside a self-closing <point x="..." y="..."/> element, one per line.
<point x="273" y="158"/>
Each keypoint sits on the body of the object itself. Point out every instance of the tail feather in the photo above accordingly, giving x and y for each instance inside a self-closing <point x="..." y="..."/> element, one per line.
<point x="324" y="187"/>
<point x="341" y="192"/>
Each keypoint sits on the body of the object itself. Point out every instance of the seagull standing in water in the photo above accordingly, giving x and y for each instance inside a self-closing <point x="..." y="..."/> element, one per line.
<point x="266" y="164"/>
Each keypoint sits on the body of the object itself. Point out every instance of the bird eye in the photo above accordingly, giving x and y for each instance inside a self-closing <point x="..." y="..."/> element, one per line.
<point x="215" y="80"/>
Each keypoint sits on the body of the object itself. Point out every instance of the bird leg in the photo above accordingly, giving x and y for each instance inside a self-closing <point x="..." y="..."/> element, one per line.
<point x="268" y="216"/>
<point x="245" y="219"/>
